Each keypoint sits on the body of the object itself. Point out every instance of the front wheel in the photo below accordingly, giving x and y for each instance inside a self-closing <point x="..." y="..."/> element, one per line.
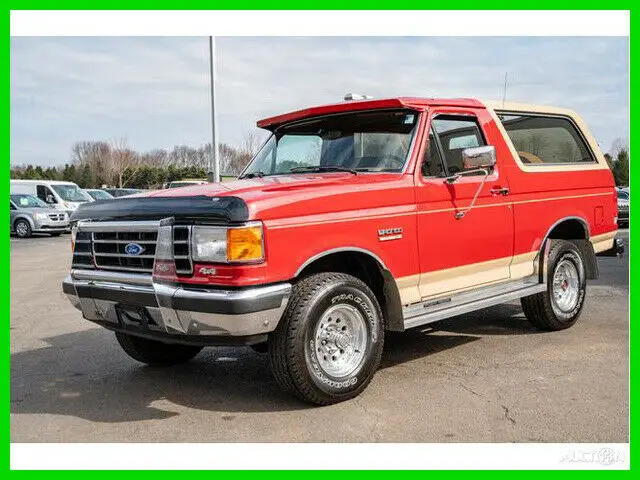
<point x="155" y="353"/>
<point x="328" y="344"/>
<point x="23" y="229"/>
<point x="560" y="305"/>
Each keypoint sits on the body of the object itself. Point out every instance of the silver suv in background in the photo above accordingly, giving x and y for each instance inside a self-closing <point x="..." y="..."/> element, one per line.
<point x="29" y="214"/>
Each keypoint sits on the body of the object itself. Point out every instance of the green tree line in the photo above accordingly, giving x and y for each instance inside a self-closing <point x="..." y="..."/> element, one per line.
<point x="139" y="177"/>
<point x="619" y="166"/>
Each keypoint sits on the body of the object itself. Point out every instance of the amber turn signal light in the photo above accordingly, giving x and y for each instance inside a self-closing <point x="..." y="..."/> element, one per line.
<point x="244" y="244"/>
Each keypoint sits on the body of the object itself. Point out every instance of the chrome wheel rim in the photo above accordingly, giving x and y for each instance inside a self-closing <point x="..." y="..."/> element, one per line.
<point x="21" y="229"/>
<point x="340" y="340"/>
<point x="566" y="286"/>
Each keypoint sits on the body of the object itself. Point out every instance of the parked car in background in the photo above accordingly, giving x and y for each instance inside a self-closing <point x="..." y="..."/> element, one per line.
<point x="98" y="194"/>
<point x="63" y="196"/>
<point x="623" y="207"/>
<point x="29" y="214"/>
<point x="122" y="192"/>
<point x="185" y="183"/>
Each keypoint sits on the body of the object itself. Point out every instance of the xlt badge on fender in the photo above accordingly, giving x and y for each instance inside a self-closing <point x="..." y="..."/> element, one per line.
<point x="389" y="234"/>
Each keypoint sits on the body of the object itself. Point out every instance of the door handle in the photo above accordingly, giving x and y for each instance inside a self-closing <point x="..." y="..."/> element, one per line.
<point x="500" y="191"/>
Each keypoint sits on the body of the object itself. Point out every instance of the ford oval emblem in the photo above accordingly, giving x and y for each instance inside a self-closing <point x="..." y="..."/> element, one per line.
<point x="133" y="249"/>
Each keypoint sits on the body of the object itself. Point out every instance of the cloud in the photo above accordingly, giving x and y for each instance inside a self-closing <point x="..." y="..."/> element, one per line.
<point x="154" y="91"/>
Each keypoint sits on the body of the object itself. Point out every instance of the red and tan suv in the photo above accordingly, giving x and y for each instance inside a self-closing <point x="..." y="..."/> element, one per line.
<point x="352" y="220"/>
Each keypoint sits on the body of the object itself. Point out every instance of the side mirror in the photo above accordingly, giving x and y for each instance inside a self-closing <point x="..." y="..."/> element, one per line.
<point x="478" y="157"/>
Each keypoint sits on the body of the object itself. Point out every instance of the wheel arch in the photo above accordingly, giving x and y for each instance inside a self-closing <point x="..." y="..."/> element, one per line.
<point x="22" y="216"/>
<point x="576" y="230"/>
<point x="368" y="267"/>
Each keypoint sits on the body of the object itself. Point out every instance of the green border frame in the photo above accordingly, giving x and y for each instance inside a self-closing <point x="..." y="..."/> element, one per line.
<point x="297" y="5"/>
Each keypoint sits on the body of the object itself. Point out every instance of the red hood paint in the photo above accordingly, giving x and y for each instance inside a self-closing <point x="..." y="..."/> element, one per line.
<point x="285" y="196"/>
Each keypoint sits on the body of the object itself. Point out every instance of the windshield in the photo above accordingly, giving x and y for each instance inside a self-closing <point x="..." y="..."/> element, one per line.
<point x="366" y="141"/>
<point x="100" y="194"/>
<point x="28" y="201"/>
<point x="69" y="192"/>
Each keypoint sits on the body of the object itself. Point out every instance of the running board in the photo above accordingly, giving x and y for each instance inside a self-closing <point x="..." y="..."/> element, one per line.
<point x="444" y="307"/>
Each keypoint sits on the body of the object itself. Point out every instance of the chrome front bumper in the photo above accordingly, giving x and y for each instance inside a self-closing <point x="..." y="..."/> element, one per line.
<point x="134" y="303"/>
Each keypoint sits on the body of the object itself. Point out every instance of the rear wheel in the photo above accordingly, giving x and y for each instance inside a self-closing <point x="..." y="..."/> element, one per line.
<point x="23" y="229"/>
<point x="328" y="343"/>
<point x="560" y="305"/>
<point x="155" y="353"/>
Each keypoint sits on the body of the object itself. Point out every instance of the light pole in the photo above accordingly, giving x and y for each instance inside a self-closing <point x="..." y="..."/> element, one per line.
<point x="214" y="157"/>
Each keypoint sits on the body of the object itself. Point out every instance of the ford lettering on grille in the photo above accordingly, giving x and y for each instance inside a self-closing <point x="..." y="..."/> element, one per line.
<point x="133" y="249"/>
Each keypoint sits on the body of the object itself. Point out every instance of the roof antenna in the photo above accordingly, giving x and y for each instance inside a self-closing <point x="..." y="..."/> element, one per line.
<point x="504" y="91"/>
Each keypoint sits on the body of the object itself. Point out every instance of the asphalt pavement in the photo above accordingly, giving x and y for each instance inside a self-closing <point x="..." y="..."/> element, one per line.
<point x="483" y="377"/>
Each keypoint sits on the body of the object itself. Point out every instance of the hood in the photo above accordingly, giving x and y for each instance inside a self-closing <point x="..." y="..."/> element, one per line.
<point x="271" y="197"/>
<point x="284" y="196"/>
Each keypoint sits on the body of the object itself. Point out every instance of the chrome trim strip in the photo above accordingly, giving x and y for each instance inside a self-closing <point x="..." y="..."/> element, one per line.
<point x="113" y="277"/>
<point x="121" y="226"/>
<point x="445" y="307"/>
<point x="338" y="250"/>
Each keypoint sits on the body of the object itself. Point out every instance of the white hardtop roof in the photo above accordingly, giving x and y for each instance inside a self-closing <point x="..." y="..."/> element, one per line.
<point x="528" y="108"/>
<point x="54" y="182"/>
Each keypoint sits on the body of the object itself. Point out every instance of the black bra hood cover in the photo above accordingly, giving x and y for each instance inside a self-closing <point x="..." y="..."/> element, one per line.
<point x="197" y="208"/>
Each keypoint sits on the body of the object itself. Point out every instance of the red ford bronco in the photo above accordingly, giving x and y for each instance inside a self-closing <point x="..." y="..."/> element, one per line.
<point x="353" y="219"/>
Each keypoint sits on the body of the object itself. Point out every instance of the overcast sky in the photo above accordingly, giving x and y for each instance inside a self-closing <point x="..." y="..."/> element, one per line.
<point x="155" y="91"/>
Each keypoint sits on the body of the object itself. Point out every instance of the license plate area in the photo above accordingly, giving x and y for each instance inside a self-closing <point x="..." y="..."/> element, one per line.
<point x="135" y="316"/>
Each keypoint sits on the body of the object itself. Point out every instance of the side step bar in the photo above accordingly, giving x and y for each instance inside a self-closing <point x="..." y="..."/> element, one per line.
<point x="438" y="309"/>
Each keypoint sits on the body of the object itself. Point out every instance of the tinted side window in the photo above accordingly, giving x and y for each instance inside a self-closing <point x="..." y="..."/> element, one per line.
<point x="539" y="140"/>
<point x="454" y="135"/>
<point x="43" y="192"/>
<point x="432" y="162"/>
<point x="11" y="207"/>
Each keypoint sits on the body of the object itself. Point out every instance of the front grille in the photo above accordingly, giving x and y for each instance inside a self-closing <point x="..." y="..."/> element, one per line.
<point x="108" y="250"/>
<point x="57" y="217"/>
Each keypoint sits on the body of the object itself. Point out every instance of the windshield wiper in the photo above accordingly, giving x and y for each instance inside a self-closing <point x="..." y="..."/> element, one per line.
<point x="258" y="174"/>
<point x="325" y="168"/>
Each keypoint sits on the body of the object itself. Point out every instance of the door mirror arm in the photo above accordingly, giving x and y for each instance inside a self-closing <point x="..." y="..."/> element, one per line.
<point x="454" y="178"/>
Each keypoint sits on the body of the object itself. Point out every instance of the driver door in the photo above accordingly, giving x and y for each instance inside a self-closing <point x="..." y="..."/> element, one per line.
<point x="476" y="249"/>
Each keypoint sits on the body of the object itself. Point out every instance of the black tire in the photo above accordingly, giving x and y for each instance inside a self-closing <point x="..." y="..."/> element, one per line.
<point x="155" y="353"/>
<point x="22" y="228"/>
<point x="55" y="234"/>
<point x="542" y="309"/>
<point x="262" y="347"/>
<point x="293" y="346"/>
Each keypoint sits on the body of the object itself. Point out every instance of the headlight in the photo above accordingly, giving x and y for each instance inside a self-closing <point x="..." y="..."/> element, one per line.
<point x="40" y="216"/>
<point x="228" y="244"/>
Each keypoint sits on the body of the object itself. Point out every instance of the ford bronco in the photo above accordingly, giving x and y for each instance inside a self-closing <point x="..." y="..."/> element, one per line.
<point x="352" y="220"/>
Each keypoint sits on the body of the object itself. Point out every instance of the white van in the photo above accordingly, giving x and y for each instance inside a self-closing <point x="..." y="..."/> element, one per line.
<point x="64" y="196"/>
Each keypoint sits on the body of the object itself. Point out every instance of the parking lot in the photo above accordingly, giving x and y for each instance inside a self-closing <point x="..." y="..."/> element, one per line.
<point x="483" y="377"/>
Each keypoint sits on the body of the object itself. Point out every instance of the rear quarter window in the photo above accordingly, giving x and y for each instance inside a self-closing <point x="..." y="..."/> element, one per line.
<point x="541" y="140"/>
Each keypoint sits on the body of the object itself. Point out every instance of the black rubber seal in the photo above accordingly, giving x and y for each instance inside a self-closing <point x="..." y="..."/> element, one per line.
<point x="216" y="209"/>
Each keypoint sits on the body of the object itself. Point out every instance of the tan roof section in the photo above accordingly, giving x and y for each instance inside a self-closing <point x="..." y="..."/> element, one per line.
<point x="600" y="164"/>
<point x="529" y="107"/>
